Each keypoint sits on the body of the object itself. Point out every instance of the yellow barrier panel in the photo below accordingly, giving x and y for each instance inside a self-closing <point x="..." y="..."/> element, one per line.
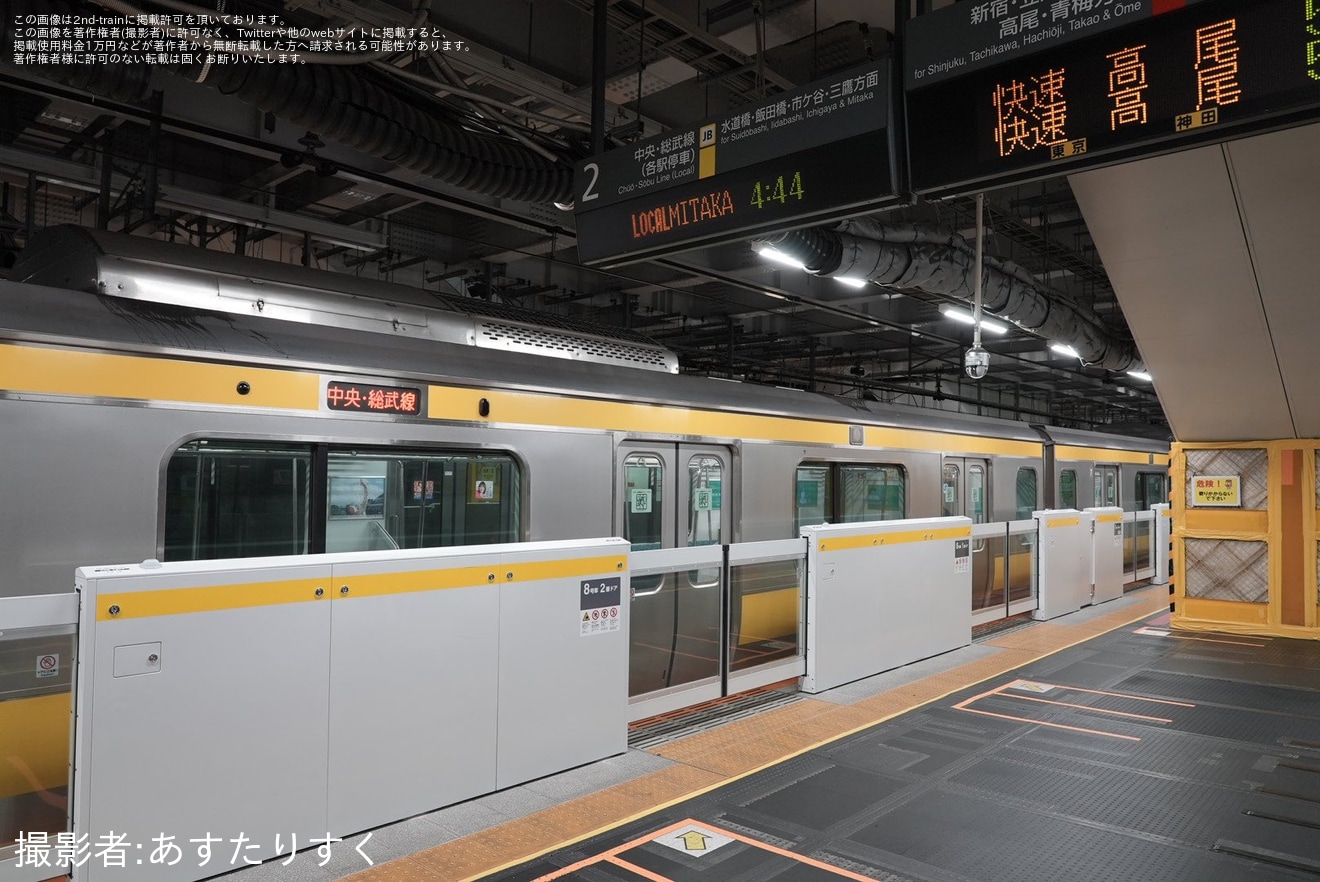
<point x="34" y="744"/>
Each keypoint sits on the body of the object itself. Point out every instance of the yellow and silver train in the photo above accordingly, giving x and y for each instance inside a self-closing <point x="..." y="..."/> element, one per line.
<point x="176" y="403"/>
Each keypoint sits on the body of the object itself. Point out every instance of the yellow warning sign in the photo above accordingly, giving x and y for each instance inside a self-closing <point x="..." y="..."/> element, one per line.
<point x="1221" y="490"/>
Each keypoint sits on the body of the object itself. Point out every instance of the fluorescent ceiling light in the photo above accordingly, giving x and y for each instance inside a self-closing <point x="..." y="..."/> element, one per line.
<point x="778" y="256"/>
<point x="850" y="281"/>
<point x="1140" y="375"/>
<point x="962" y="315"/>
<point x="1065" y="350"/>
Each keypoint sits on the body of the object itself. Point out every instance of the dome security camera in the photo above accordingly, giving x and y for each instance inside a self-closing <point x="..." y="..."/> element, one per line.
<point x="976" y="362"/>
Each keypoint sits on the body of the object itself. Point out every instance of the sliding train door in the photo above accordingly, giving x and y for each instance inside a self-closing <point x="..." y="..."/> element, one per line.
<point x="965" y="492"/>
<point x="673" y="496"/>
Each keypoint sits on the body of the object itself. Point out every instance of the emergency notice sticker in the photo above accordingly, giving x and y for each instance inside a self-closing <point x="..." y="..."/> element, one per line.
<point x="962" y="555"/>
<point x="600" y="605"/>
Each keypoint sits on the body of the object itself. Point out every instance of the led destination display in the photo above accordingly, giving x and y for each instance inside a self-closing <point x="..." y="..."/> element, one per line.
<point x="1204" y="72"/>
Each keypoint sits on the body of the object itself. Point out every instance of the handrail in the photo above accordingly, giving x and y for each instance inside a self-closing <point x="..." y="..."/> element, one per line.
<point x="389" y="540"/>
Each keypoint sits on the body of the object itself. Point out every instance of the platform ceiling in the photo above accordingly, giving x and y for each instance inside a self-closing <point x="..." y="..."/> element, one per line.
<point x="1213" y="255"/>
<point x="212" y="171"/>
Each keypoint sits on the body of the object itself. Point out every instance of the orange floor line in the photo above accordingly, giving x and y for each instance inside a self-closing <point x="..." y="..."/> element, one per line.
<point x="972" y="710"/>
<point x="1113" y="694"/>
<point x="640" y="871"/>
<point x="960" y="705"/>
<point x="604" y="855"/>
<point x="802" y="858"/>
<point x="1099" y="710"/>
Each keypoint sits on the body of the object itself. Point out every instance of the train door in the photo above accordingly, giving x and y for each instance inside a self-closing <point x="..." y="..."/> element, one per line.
<point x="674" y="496"/>
<point x="1105" y="485"/>
<point x="965" y="488"/>
<point x="965" y="492"/>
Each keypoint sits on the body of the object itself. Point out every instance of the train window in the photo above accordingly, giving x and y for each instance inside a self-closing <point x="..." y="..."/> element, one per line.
<point x="872" y="493"/>
<point x="1068" y="488"/>
<point x="976" y="484"/>
<point x="813" y="491"/>
<point x="1026" y="493"/>
<point x="1150" y="490"/>
<point x="234" y="499"/>
<point x="951" y="491"/>
<point x="866" y="493"/>
<point x="1106" y="485"/>
<point x="705" y="500"/>
<point x="247" y="499"/>
<point x="377" y="500"/>
<point x="644" y="525"/>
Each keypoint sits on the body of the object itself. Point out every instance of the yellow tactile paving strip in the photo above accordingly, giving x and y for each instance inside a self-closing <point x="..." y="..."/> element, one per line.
<point x="708" y="759"/>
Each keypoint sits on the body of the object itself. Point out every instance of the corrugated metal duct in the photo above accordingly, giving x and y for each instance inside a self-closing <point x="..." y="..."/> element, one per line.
<point x="940" y="262"/>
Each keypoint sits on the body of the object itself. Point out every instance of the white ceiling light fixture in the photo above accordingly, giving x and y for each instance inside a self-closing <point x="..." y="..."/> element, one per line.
<point x="1065" y="350"/>
<point x="1140" y="375"/>
<point x="772" y="253"/>
<point x="850" y="281"/>
<point x="962" y="315"/>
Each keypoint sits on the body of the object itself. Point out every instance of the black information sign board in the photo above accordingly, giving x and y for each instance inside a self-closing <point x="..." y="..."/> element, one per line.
<point x="1199" y="73"/>
<point x="967" y="37"/>
<point x="818" y="152"/>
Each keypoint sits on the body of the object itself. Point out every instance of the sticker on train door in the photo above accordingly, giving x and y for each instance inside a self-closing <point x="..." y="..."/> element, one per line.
<point x="962" y="555"/>
<point x="598" y="611"/>
<point x="639" y="501"/>
<point x="48" y="665"/>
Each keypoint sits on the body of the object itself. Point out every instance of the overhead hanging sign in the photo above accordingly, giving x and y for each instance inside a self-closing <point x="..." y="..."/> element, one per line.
<point x="967" y="37"/>
<point x="816" y="153"/>
<point x="1015" y="90"/>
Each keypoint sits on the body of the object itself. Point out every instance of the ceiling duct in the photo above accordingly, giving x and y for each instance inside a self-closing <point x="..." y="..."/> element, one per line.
<point x="348" y="105"/>
<point x="941" y="262"/>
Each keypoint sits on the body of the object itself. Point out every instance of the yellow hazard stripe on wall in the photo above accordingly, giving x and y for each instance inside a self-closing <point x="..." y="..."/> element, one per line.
<point x="213" y="598"/>
<point x="916" y="439"/>
<point x="378" y="584"/>
<point x="877" y="540"/>
<point x="40" y="370"/>
<point x="34" y="751"/>
<point x="1104" y="454"/>
<point x="529" y="408"/>
<point x="178" y="601"/>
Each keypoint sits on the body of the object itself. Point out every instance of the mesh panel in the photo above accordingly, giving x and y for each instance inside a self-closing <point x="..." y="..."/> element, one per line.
<point x="1252" y="464"/>
<point x="543" y="341"/>
<point x="1227" y="569"/>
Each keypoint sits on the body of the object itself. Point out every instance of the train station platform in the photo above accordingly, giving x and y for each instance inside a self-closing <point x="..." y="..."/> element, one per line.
<point x="1097" y="746"/>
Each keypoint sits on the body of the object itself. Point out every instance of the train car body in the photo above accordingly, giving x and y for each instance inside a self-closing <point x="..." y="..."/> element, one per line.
<point x="169" y="403"/>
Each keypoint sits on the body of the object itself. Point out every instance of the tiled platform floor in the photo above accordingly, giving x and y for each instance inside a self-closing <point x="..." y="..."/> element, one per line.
<point x="502" y="830"/>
